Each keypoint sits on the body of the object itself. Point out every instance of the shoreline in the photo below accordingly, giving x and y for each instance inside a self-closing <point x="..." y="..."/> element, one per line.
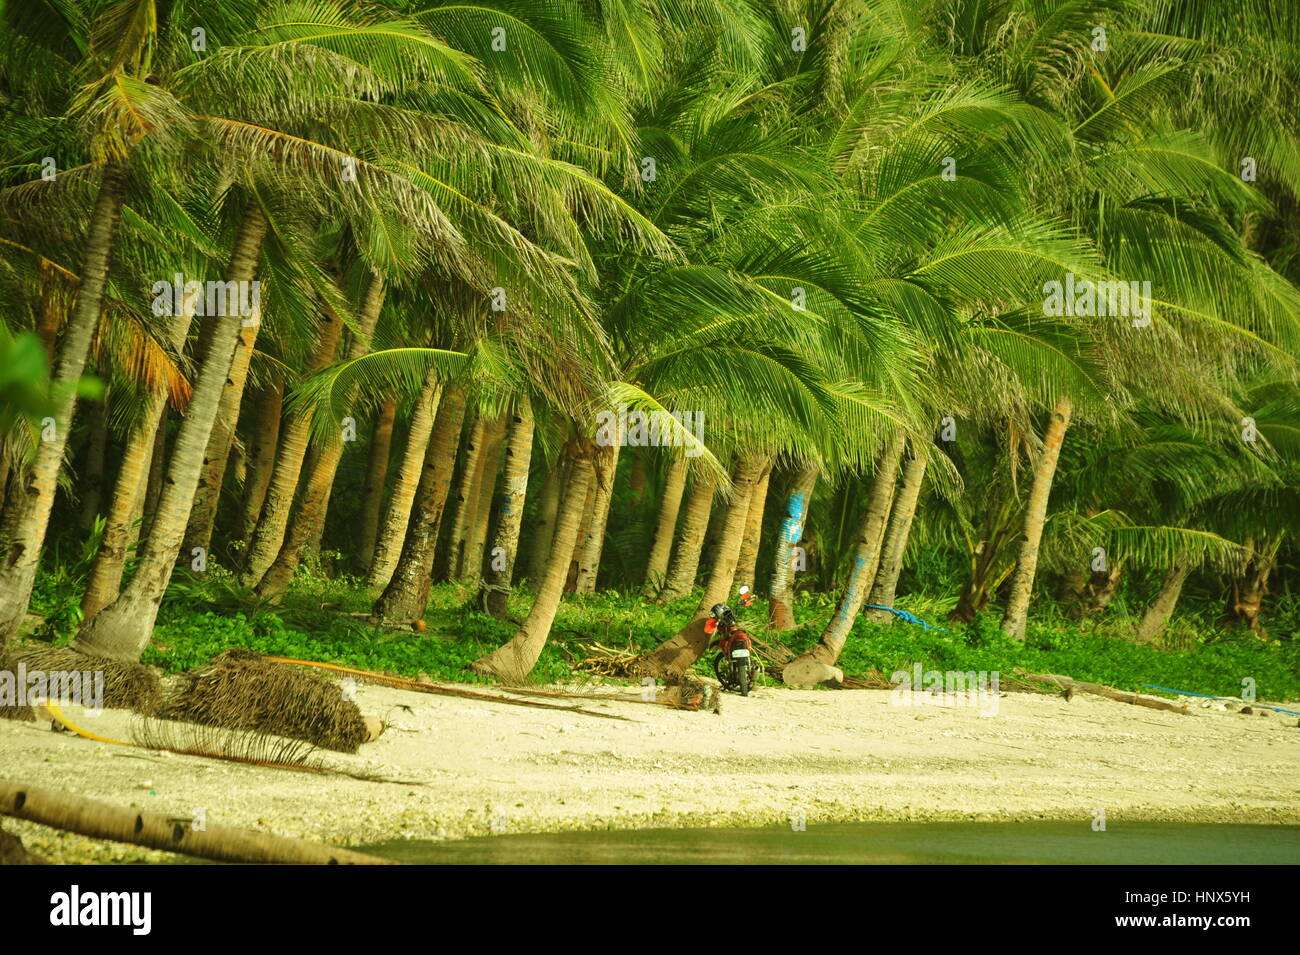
<point x="834" y="756"/>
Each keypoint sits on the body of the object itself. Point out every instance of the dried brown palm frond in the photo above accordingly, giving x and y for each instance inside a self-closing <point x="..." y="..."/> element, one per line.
<point x="241" y="690"/>
<point x="9" y="664"/>
<point x="216" y="742"/>
<point x="127" y="686"/>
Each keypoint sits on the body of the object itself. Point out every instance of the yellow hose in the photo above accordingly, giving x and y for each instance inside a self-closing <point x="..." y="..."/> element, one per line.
<point x="58" y="715"/>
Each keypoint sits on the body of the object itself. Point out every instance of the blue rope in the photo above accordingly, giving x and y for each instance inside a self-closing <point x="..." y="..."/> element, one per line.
<point x="1207" y="696"/>
<point x="907" y="617"/>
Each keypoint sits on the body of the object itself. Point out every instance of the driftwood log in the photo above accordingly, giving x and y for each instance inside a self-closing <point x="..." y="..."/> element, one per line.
<point x="156" y="831"/>
<point x="1070" y="685"/>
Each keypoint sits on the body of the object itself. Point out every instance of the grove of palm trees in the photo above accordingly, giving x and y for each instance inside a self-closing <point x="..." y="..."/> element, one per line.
<point x="492" y="346"/>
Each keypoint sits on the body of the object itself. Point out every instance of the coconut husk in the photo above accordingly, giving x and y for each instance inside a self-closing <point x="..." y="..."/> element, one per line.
<point x="241" y="690"/>
<point x="127" y="686"/>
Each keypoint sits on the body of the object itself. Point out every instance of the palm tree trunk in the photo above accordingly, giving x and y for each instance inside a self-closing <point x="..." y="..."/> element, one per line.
<point x="398" y="515"/>
<point x="132" y="482"/>
<point x="295" y="434"/>
<point x="672" y="657"/>
<point x="543" y="529"/>
<point x="866" y="561"/>
<point x="91" y="484"/>
<point x="1157" y="615"/>
<point x="781" y="596"/>
<point x="514" y="661"/>
<point x="748" y="560"/>
<point x="505" y="544"/>
<point x="593" y="542"/>
<point x="690" y="540"/>
<point x="636" y="477"/>
<point x="670" y="504"/>
<point x="309" y="517"/>
<point x="127" y="508"/>
<point x="372" y="495"/>
<point x="1022" y="580"/>
<point x="900" y="527"/>
<point x="121" y="630"/>
<point x="23" y="549"/>
<point x="157" y="474"/>
<point x="469" y="474"/>
<point x="588" y="509"/>
<point x="407" y="595"/>
<point x="471" y="571"/>
<point x="266" y="434"/>
<point x="203" y="515"/>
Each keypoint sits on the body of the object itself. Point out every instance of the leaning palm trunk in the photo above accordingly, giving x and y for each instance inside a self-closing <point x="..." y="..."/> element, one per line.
<point x="121" y="630"/>
<point x="866" y="561"/>
<point x="690" y="541"/>
<point x="1156" y="617"/>
<point x="127" y="508"/>
<point x="593" y="542"/>
<point x="485" y="487"/>
<point x="398" y="515"/>
<point x="309" y="519"/>
<point x="670" y="504"/>
<point x="1022" y="580"/>
<point x="514" y="661"/>
<point x="23" y="548"/>
<point x="266" y="435"/>
<point x="128" y="492"/>
<point x="542" y="531"/>
<point x="372" y="495"/>
<point x="505" y="544"/>
<point x="900" y="528"/>
<point x="672" y="657"/>
<point x="296" y="433"/>
<point x="407" y="594"/>
<point x="469" y="474"/>
<point x="781" y="602"/>
<point x="748" y="559"/>
<point x="203" y="515"/>
<point x="91" y="483"/>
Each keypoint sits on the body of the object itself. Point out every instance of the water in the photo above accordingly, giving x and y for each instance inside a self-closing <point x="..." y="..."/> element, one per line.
<point x="878" y="843"/>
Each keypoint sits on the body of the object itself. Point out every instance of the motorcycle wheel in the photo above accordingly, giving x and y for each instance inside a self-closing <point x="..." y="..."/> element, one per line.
<point x="722" y="670"/>
<point x="742" y="678"/>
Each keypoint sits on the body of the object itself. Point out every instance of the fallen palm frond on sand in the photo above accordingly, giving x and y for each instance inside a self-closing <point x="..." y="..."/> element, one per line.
<point x="126" y="686"/>
<point x="156" y="831"/>
<point x="244" y="690"/>
<point x="402" y="683"/>
<point x="600" y="660"/>
<point x="251" y="747"/>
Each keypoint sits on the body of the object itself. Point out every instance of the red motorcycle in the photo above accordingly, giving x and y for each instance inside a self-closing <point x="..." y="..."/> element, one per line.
<point x="735" y="665"/>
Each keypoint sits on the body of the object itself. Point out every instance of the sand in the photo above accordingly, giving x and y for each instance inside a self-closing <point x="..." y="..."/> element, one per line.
<point x="823" y="755"/>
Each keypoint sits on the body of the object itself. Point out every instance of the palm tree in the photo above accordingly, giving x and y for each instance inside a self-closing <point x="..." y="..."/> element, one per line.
<point x="121" y="630"/>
